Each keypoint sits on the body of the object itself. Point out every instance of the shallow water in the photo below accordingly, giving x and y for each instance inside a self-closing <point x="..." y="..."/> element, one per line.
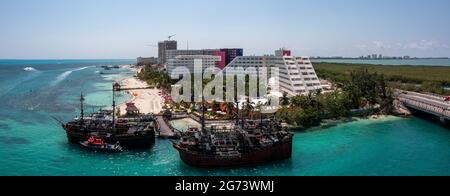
<point x="31" y="143"/>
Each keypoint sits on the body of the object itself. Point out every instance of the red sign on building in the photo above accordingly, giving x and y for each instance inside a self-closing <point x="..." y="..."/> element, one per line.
<point x="221" y="64"/>
<point x="287" y="53"/>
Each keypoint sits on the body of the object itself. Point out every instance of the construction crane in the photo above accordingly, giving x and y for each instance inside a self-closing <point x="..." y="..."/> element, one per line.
<point x="170" y="37"/>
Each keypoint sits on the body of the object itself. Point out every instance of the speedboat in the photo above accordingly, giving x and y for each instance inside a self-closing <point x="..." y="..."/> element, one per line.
<point x="96" y="143"/>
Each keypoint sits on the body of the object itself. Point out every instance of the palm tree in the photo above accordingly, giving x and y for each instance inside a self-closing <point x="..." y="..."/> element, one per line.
<point x="285" y="101"/>
<point x="249" y="108"/>
<point x="259" y="107"/>
<point x="229" y="108"/>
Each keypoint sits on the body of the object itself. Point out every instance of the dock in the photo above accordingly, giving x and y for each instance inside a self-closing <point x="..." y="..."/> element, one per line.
<point x="165" y="130"/>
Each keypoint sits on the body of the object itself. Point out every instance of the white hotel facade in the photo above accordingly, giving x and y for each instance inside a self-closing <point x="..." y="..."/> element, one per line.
<point x="296" y="74"/>
<point x="187" y="61"/>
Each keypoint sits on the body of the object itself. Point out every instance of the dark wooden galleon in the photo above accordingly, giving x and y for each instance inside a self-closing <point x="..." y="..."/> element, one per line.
<point x="137" y="131"/>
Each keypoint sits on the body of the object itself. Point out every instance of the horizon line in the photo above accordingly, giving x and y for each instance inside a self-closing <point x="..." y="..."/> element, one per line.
<point x="56" y="59"/>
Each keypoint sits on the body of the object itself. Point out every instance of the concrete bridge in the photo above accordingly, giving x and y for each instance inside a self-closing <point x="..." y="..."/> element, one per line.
<point x="431" y="104"/>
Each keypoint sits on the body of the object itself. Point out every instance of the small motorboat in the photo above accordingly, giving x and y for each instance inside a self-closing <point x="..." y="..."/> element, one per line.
<point x="98" y="144"/>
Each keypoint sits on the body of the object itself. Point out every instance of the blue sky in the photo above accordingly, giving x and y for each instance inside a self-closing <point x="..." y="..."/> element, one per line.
<point x="57" y="29"/>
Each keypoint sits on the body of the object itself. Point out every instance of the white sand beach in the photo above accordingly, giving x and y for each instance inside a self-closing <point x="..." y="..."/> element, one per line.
<point x="148" y="101"/>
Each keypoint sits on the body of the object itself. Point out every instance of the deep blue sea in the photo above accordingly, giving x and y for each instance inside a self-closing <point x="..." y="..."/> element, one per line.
<point x="31" y="143"/>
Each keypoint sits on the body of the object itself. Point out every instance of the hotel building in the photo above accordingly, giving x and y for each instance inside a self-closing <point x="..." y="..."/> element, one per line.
<point x="163" y="47"/>
<point x="171" y="54"/>
<point x="187" y="61"/>
<point x="231" y="54"/>
<point x="296" y="74"/>
<point x="226" y="54"/>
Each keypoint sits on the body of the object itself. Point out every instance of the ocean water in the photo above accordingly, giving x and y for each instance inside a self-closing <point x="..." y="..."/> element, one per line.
<point x="414" y="62"/>
<point x="31" y="143"/>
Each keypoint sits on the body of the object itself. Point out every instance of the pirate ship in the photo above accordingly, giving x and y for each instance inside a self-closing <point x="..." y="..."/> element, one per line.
<point x="135" y="131"/>
<point x="245" y="143"/>
<point x="239" y="146"/>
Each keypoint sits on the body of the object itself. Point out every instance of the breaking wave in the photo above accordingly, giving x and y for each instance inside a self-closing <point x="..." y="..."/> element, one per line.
<point x="66" y="74"/>
<point x="31" y="69"/>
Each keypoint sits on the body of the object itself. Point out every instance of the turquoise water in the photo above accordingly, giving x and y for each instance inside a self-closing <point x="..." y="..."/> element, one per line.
<point x="32" y="144"/>
<point x="415" y="62"/>
<point x="184" y="124"/>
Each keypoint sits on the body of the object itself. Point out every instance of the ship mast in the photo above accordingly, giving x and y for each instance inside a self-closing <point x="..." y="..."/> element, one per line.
<point x="242" y="114"/>
<point x="116" y="86"/>
<point x="82" y="107"/>
<point x="203" y="105"/>
<point x="237" y="111"/>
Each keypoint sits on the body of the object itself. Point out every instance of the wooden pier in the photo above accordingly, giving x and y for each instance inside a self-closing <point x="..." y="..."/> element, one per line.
<point x="164" y="129"/>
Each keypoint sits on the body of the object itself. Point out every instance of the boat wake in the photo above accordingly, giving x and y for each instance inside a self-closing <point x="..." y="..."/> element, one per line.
<point x="66" y="74"/>
<point x="30" y="69"/>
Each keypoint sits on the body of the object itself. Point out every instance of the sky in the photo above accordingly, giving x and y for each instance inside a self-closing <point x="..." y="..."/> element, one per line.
<point x="118" y="29"/>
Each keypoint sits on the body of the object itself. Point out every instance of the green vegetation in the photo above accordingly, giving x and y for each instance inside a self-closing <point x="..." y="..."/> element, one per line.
<point x="156" y="78"/>
<point x="431" y="79"/>
<point x="362" y="92"/>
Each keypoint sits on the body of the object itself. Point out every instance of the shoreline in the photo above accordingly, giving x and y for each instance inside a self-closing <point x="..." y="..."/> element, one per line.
<point x="148" y="101"/>
<point x="328" y="123"/>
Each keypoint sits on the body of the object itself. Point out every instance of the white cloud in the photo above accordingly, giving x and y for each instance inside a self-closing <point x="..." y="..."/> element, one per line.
<point x="423" y="45"/>
<point x="362" y="46"/>
<point x="381" y="45"/>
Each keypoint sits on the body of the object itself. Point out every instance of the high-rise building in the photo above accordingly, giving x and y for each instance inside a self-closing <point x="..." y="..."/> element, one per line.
<point x="283" y="52"/>
<point x="147" y="61"/>
<point x="163" y="47"/>
<point x="231" y="54"/>
<point x="187" y="61"/>
<point x="296" y="74"/>
<point x="221" y="64"/>
<point x="227" y="54"/>
<point x="171" y="54"/>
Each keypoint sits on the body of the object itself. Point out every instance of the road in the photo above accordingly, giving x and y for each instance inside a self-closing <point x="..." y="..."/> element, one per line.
<point x="427" y="103"/>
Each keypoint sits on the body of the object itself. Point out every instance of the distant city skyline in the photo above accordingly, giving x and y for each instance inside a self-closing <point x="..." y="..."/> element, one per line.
<point x="106" y="29"/>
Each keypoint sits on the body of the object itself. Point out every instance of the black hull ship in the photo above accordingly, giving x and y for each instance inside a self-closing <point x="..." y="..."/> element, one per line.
<point x="239" y="146"/>
<point x="138" y="132"/>
<point x="132" y="131"/>
<point x="244" y="144"/>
